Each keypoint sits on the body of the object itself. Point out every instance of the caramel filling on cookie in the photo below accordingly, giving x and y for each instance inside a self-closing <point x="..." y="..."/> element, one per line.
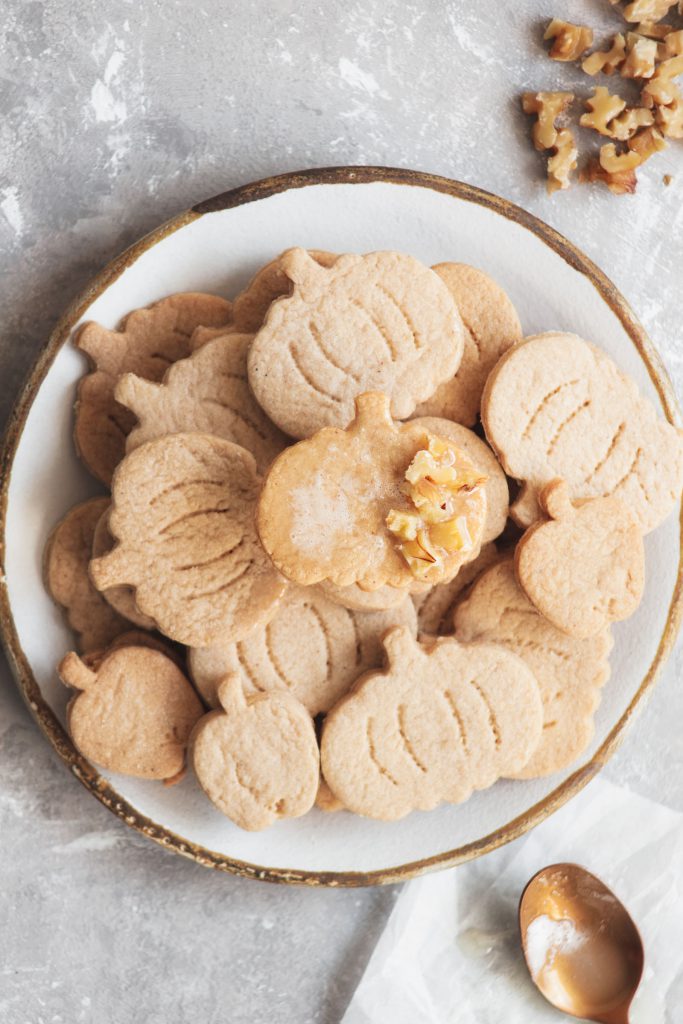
<point x="448" y="510"/>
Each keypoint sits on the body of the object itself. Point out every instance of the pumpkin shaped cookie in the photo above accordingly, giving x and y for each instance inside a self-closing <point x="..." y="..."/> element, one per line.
<point x="584" y="567"/>
<point x="134" y="714"/>
<point x="491" y="326"/>
<point x="146" y="343"/>
<point x="183" y="515"/>
<point x="312" y="648"/>
<point x="556" y="406"/>
<point x="257" y="758"/>
<point x="269" y="283"/>
<point x="135" y="638"/>
<point x="442" y="720"/>
<point x="569" y="672"/>
<point x="208" y="392"/>
<point x="121" y="599"/>
<point x="378" y="503"/>
<point x="65" y="568"/>
<point x="382" y="321"/>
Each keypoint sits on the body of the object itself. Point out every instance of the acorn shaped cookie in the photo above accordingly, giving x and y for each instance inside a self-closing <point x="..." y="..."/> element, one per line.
<point x="134" y="714"/>
<point x="257" y="758"/>
<point x="584" y="567"/>
<point x="443" y="719"/>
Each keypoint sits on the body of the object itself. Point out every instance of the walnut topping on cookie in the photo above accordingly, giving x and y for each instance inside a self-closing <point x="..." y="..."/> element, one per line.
<point x="449" y="511"/>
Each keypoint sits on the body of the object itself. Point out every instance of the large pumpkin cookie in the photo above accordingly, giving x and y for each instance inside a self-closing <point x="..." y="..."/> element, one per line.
<point x="183" y="515"/>
<point x="146" y="343"/>
<point x="570" y="672"/>
<point x="442" y="720"/>
<point x="378" y="503"/>
<point x="491" y="327"/>
<point x="584" y="567"/>
<point x="257" y="757"/>
<point x="378" y="322"/>
<point x="208" y="392"/>
<point x="556" y="406"/>
<point x="312" y="648"/>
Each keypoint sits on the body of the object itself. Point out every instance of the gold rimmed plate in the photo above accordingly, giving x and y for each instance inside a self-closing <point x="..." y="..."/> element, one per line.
<point x="216" y="247"/>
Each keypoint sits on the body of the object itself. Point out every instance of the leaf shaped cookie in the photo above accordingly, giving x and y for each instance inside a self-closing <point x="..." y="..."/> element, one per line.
<point x="382" y="321"/>
<point x="435" y="608"/>
<point x="183" y="514"/>
<point x="325" y="503"/>
<point x="257" y="758"/>
<point x="312" y="648"/>
<point x="442" y="720"/>
<point x="135" y="712"/>
<point x="491" y="327"/>
<point x="496" y="486"/>
<point x="585" y="568"/>
<point x="570" y="672"/>
<point x="208" y="392"/>
<point x="65" y="568"/>
<point x="121" y="599"/>
<point x="269" y="283"/>
<point x="556" y="406"/>
<point x="146" y="343"/>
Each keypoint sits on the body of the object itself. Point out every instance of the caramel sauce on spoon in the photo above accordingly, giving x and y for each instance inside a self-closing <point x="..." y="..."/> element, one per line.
<point x="583" y="950"/>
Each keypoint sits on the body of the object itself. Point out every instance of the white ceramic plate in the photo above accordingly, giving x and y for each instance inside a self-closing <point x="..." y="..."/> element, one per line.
<point x="216" y="248"/>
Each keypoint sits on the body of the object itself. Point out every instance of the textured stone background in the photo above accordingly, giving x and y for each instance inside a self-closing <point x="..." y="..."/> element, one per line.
<point x="113" y="116"/>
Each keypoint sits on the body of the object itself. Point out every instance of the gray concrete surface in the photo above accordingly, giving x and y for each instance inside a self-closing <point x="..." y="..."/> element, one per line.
<point x="113" y="116"/>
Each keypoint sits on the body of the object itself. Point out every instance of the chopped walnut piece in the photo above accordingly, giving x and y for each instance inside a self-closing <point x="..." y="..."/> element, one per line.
<point x="646" y="143"/>
<point x="628" y="123"/>
<point x="621" y="183"/>
<point x="603" y="107"/>
<point x="548" y="106"/>
<point x="606" y="61"/>
<point x="660" y="90"/>
<point x="615" y="163"/>
<point x="648" y="10"/>
<point x="562" y="162"/>
<point x="671" y="45"/>
<point x="652" y="31"/>
<point x="569" y="41"/>
<point x="640" y="57"/>
<point x="670" y="117"/>
<point x="667" y="179"/>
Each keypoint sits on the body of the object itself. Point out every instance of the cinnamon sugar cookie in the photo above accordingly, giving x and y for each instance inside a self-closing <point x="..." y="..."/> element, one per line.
<point x="491" y="326"/>
<point x="312" y="648"/>
<point x="442" y="720"/>
<point x="379" y="322"/>
<point x="146" y="343"/>
<point x="183" y="515"/>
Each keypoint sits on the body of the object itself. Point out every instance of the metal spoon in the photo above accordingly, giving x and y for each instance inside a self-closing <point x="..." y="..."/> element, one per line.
<point x="581" y="946"/>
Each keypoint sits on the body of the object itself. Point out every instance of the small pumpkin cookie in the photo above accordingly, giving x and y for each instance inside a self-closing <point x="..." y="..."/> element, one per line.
<point x="382" y="321"/>
<point x="569" y="672"/>
<point x="121" y="599"/>
<point x="146" y="343"/>
<point x="208" y="392"/>
<point x="134" y="714"/>
<point x="257" y="758"/>
<point x="65" y="569"/>
<point x="183" y="515"/>
<point x="435" y="607"/>
<point x="312" y="648"/>
<point x="269" y="283"/>
<point x="556" y="406"/>
<point x="378" y="503"/>
<point x="442" y="720"/>
<point x="584" y="567"/>
<point x="491" y="327"/>
<point x="496" y="486"/>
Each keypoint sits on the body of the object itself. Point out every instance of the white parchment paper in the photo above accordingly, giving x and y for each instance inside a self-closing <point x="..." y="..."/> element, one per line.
<point x="450" y="951"/>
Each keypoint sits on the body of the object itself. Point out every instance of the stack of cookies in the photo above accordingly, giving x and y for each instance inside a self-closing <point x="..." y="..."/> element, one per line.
<point x="308" y="580"/>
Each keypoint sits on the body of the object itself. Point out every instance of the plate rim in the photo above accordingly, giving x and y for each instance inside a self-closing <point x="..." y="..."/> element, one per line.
<point x="21" y="669"/>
